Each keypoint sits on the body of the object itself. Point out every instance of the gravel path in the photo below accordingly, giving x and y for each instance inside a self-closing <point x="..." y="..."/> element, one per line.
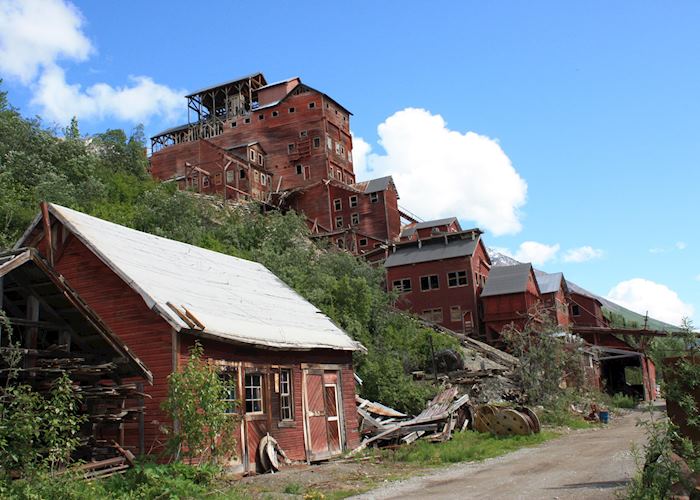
<point x="590" y="464"/>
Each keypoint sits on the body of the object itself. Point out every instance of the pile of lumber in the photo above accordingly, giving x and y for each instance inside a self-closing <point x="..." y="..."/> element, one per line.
<point x="383" y="426"/>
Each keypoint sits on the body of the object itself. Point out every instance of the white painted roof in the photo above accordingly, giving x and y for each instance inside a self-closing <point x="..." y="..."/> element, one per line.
<point x="235" y="299"/>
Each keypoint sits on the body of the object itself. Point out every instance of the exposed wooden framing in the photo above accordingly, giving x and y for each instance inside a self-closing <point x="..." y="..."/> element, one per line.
<point x="47" y="231"/>
<point x="32" y="333"/>
<point x="181" y="315"/>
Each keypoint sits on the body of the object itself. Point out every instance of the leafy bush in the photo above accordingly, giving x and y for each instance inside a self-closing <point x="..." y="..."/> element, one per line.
<point x="622" y="401"/>
<point x="203" y="429"/>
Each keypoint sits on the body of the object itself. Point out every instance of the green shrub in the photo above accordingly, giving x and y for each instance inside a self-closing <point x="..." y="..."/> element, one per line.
<point x="622" y="401"/>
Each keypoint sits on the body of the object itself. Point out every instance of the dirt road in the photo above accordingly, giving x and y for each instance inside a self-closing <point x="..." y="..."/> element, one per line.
<point x="586" y="464"/>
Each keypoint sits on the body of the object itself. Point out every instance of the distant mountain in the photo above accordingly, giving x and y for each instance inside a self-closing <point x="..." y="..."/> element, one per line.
<point x="614" y="312"/>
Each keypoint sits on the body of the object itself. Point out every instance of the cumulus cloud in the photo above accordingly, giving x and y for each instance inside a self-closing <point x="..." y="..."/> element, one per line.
<point x="138" y="102"/>
<point x="36" y="35"/>
<point x="582" y="254"/>
<point x="642" y="295"/>
<point x="471" y="177"/>
<point x="531" y="251"/>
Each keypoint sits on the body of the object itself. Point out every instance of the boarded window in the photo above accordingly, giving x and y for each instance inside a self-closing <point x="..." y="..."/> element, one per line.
<point x="253" y="393"/>
<point x="431" y="282"/>
<point x="457" y="278"/>
<point x="229" y="176"/>
<point x="455" y="313"/>
<point x="286" y="394"/>
<point x="434" y="315"/>
<point x="218" y="179"/>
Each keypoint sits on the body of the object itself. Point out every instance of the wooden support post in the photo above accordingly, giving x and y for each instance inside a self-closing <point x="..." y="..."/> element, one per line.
<point x="64" y="339"/>
<point x="142" y="428"/>
<point x="32" y="333"/>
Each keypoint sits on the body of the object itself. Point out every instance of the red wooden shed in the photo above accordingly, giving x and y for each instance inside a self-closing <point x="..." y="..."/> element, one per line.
<point x="290" y="365"/>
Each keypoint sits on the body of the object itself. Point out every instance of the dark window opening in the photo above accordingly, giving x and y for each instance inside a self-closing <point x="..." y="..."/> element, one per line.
<point x="402" y="285"/>
<point x="253" y="393"/>
<point x="457" y="278"/>
<point x="300" y="169"/>
<point x="429" y="283"/>
<point x="575" y="310"/>
<point x="286" y="395"/>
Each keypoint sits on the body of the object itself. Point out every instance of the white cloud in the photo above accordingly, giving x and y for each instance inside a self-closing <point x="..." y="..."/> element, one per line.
<point x="468" y="175"/>
<point x="35" y="35"/>
<point x="537" y="253"/>
<point x="643" y="295"/>
<point x="360" y="151"/>
<point x="582" y="254"/>
<point x="531" y="251"/>
<point x="681" y="245"/>
<point x="138" y="102"/>
<point x="697" y="277"/>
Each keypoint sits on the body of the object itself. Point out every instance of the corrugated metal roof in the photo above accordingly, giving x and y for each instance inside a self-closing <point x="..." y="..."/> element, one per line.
<point x="229" y="82"/>
<point x="430" y="250"/>
<point x="235" y="299"/>
<point x="374" y="185"/>
<point x="503" y="280"/>
<point x="548" y="282"/>
<point x="171" y="130"/>
<point x="411" y="229"/>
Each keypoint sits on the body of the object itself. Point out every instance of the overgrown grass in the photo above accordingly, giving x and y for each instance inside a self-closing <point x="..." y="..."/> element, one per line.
<point x="464" y="447"/>
<point x="622" y="401"/>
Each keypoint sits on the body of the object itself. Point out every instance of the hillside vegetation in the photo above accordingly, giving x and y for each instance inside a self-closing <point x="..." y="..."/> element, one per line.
<point x="105" y="175"/>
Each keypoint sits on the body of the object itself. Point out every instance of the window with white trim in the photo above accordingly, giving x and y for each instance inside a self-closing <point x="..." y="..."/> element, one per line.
<point x="286" y="401"/>
<point x="353" y="201"/>
<point x="457" y="278"/>
<point x="431" y="282"/>
<point x="455" y="313"/>
<point x="253" y="393"/>
<point x="354" y="219"/>
<point x="374" y="197"/>
<point x="339" y="222"/>
<point x="229" y="379"/>
<point x="402" y="286"/>
<point x="337" y="204"/>
<point x="434" y="315"/>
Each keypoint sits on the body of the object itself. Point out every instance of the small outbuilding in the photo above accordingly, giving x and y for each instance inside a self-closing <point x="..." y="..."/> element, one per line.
<point x="289" y="365"/>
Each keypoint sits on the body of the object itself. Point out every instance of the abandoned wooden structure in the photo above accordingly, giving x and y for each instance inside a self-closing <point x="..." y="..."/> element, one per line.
<point x="440" y="278"/>
<point x="53" y="331"/>
<point x="509" y="297"/>
<point x="428" y="229"/>
<point x="288" y="364"/>
<point x="555" y="296"/>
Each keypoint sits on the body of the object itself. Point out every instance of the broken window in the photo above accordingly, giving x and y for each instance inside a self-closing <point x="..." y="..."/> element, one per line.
<point x="355" y="219"/>
<point x="303" y="134"/>
<point x="233" y="124"/>
<point x="229" y="176"/>
<point x="431" y="282"/>
<point x="353" y="201"/>
<point x="317" y="142"/>
<point x="339" y="222"/>
<point x="374" y="197"/>
<point x="402" y="286"/>
<point x="205" y="181"/>
<point x="337" y="204"/>
<point x="246" y="120"/>
<point x="292" y="110"/>
<point x="275" y="114"/>
<point x="291" y="148"/>
<point x="312" y="105"/>
<point x="363" y="242"/>
<point x="261" y="116"/>
<point x="286" y="394"/>
<point x="229" y="378"/>
<point x="340" y="242"/>
<point x="457" y="278"/>
<point x="253" y="393"/>
<point x="300" y="169"/>
<point x="455" y="313"/>
<point x="242" y="174"/>
<point x="575" y="311"/>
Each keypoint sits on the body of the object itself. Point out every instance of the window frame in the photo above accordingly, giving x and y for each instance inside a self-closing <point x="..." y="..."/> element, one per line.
<point x="366" y="242"/>
<point x="338" y="221"/>
<point x="430" y="282"/>
<point x="355" y="218"/>
<point x="401" y="286"/>
<point x="374" y="197"/>
<point x="289" y="395"/>
<point x="353" y="201"/>
<point x="229" y="377"/>
<point x="432" y="313"/>
<point x="458" y="309"/>
<point x="575" y="310"/>
<point x="457" y="279"/>
<point x="261" y="388"/>
<point x="337" y="204"/>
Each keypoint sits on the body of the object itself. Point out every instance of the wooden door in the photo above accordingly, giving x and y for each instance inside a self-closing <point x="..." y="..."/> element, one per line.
<point x="468" y="323"/>
<point x="332" y="418"/>
<point x="315" y="415"/>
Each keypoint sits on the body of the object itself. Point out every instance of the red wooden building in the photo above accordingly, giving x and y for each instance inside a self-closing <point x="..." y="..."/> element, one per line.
<point x="428" y="229"/>
<point x="305" y="133"/>
<point x="440" y="278"/>
<point x="585" y="309"/>
<point x="358" y="217"/>
<point x="287" y="363"/>
<point x="509" y="296"/>
<point x="555" y="296"/>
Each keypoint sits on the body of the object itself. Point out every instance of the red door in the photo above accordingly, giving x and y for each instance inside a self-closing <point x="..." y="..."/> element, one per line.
<point x="323" y="414"/>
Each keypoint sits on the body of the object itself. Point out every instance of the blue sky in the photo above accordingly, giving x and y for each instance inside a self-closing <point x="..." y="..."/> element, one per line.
<point x="570" y="125"/>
